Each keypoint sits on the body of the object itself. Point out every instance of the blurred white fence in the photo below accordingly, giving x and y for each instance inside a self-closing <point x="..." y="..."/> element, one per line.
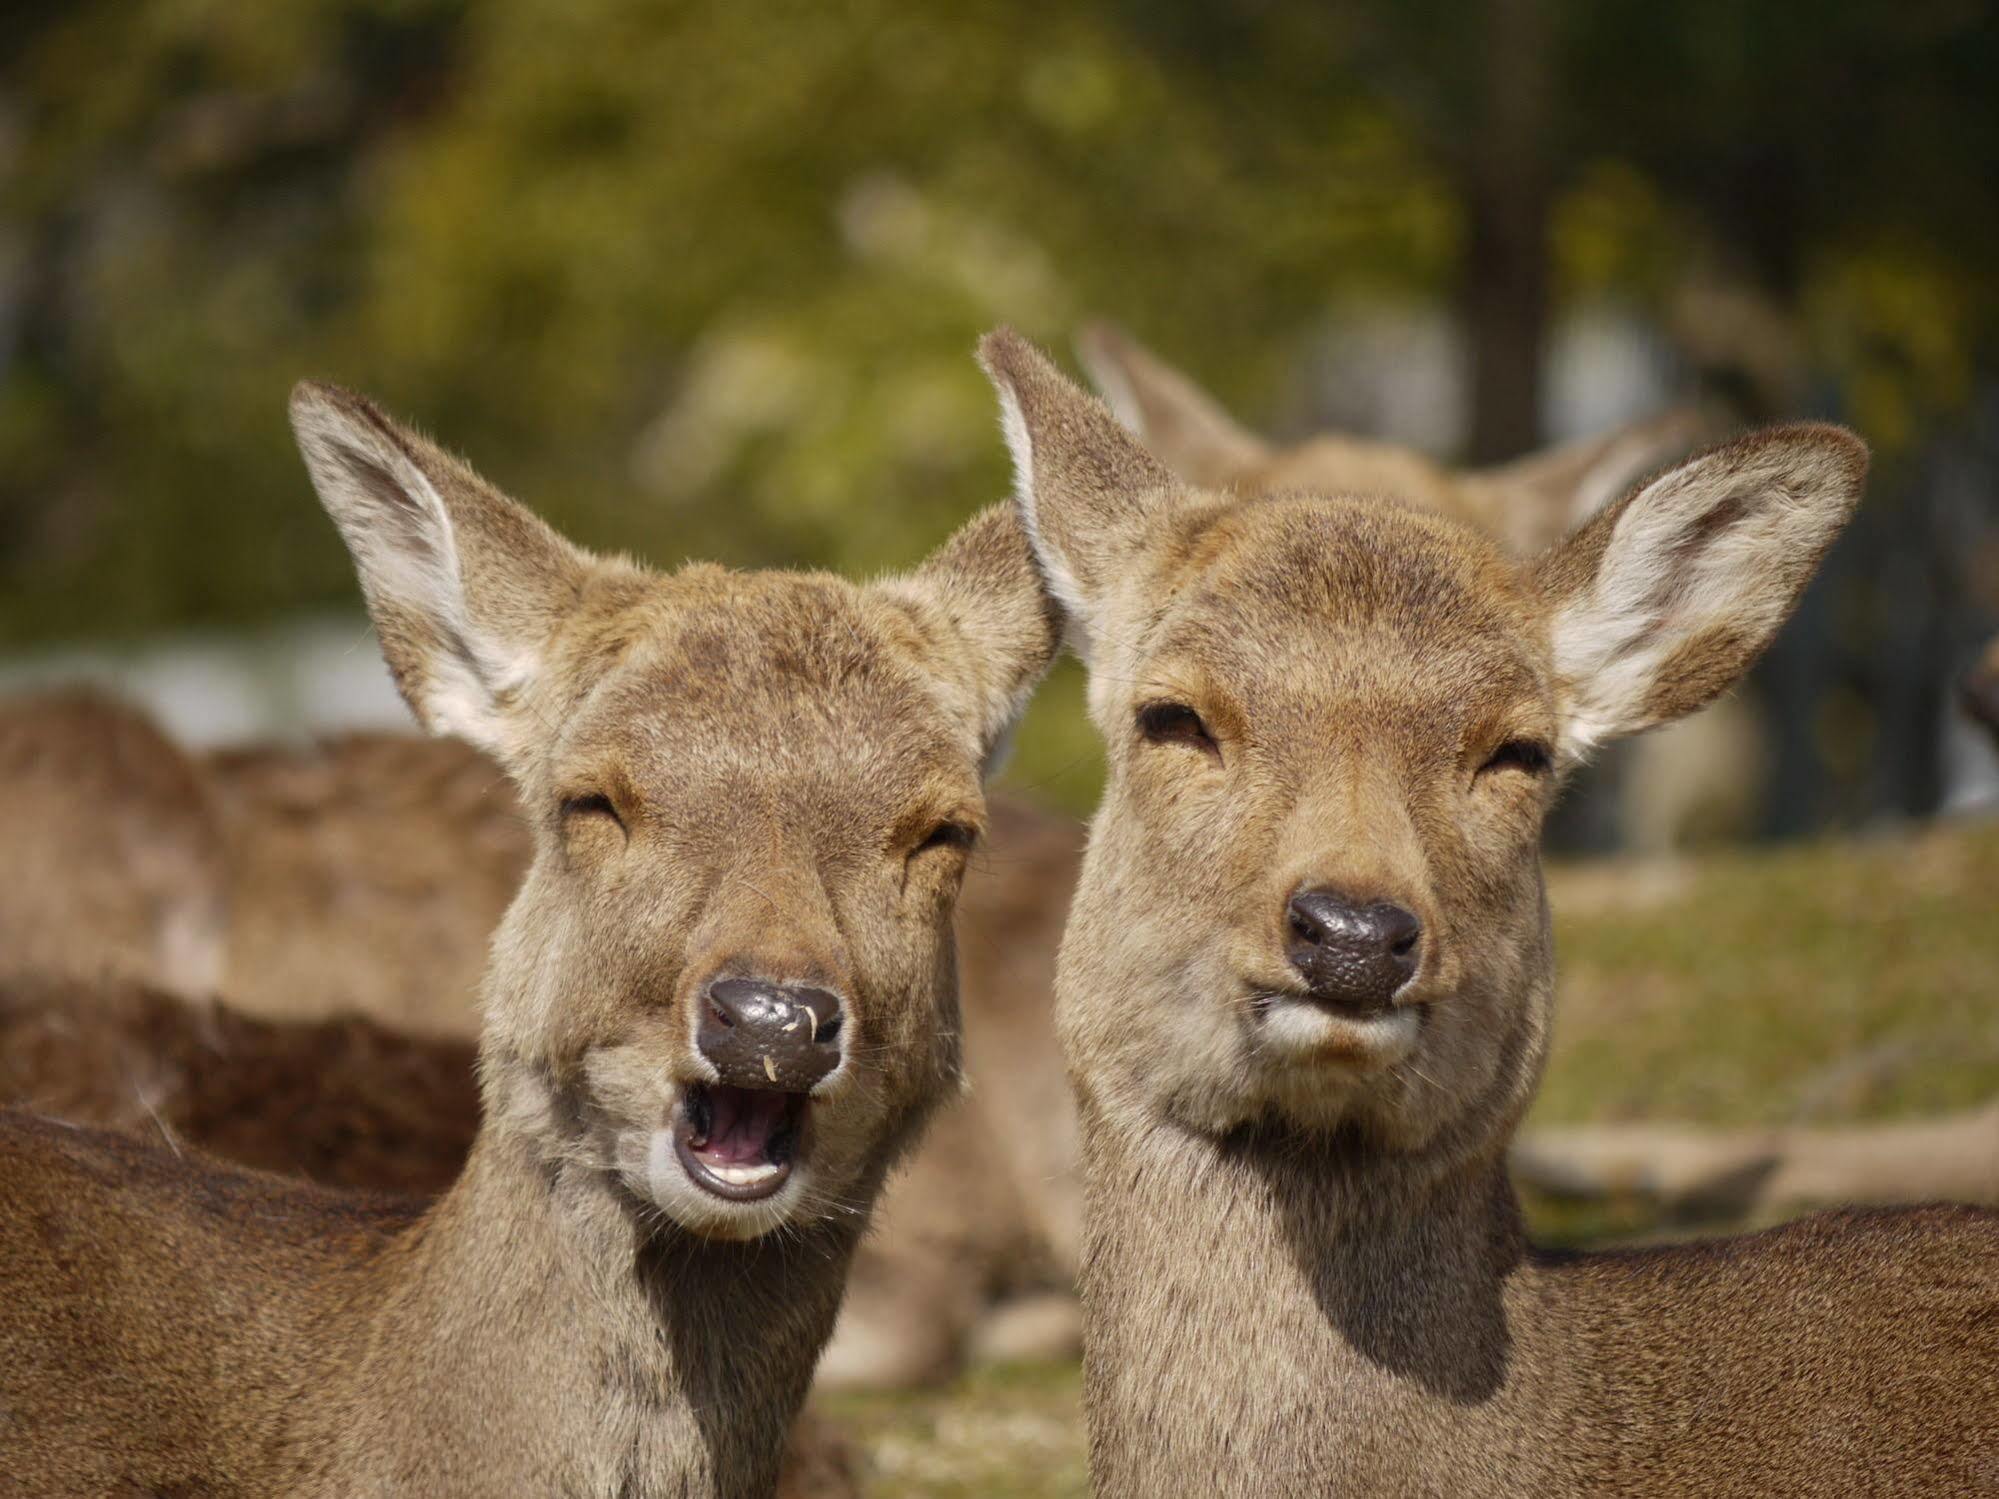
<point x="296" y="677"/>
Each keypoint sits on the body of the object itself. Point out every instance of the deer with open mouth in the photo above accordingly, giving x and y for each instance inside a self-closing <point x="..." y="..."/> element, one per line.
<point x="722" y="1004"/>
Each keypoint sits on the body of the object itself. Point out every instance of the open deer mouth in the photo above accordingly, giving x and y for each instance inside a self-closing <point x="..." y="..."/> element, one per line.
<point x="738" y="1143"/>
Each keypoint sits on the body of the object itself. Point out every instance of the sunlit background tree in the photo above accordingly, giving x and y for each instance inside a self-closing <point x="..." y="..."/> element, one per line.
<point x="703" y="279"/>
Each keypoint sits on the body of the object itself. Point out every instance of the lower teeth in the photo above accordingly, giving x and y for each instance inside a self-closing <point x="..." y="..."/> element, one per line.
<point x="738" y="1176"/>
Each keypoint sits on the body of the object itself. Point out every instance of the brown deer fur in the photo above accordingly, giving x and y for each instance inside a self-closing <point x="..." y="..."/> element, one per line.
<point x="1304" y="1267"/>
<point x="342" y="1101"/>
<point x="726" y="773"/>
<point x="115" y="863"/>
<point x="396" y="855"/>
<point x="367" y="871"/>
<point x="991" y="1205"/>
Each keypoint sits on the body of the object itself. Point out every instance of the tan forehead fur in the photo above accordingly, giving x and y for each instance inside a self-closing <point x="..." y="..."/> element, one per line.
<point x="805" y="666"/>
<point x="1326" y="595"/>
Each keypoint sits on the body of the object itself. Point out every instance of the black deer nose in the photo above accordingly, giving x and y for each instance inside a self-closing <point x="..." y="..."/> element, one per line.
<point x="776" y="1037"/>
<point x="1351" y="955"/>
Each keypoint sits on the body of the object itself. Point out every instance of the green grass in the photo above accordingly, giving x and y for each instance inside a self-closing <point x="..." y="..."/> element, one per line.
<point x="1009" y="1433"/>
<point x="1836" y="980"/>
<point x="1057" y="759"/>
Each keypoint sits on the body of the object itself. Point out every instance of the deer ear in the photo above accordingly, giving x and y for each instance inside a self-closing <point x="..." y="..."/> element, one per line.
<point x="1184" y="426"/>
<point x="1001" y="628"/>
<point x="1534" y="502"/>
<point x="1664" y="600"/>
<point x="465" y="587"/>
<point x="1084" y="487"/>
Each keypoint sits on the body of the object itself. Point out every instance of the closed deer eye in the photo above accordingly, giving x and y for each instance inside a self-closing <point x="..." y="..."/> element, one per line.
<point x="1176" y="723"/>
<point x="591" y="804"/>
<point x="1529" y="755"/>
<point x="947" y="834"/>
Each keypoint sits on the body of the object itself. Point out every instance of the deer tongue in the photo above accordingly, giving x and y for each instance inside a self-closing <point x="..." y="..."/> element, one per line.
<point x="742" y="1124"/>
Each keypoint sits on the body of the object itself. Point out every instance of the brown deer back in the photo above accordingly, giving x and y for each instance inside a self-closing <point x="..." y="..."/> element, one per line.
<point x="115" y="862"/>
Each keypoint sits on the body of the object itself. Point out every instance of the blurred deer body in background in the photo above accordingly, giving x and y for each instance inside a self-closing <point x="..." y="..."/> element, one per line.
<point x="1750" y="1172"/>
<point x="1526" y="506"/>
<point x="976" y="1250"/>
<point x="394" y="854"/>
<point x="720" y="1007"/>
<point x="343" y="1101"/>
<point x="116" y="859"/>
<point x="366" y="871"/>
<point x="1304" y="1269"/>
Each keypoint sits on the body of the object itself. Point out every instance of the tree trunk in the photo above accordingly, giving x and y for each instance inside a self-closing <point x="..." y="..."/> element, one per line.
<point x="1507" y="191"/>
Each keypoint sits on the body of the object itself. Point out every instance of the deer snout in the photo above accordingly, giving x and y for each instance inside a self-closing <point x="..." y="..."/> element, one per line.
<point x="1353" y="956"/>
<point x="762" y="1036"/>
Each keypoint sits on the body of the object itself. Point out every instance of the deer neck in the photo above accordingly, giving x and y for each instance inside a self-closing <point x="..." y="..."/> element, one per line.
<point x="541" y="1332"/>
<point x="1263" y="1318"/>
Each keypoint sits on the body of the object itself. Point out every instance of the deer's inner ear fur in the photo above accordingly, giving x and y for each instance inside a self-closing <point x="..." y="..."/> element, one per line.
<point x="1663" y="601"/>
<point x="1084" y="486"/>
<point x="1003" y="627"/>
<point x="466" y="588"/>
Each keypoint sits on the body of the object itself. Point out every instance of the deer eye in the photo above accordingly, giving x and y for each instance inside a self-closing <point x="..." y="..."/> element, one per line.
<point x="1530" y="755"/>
<point x="947" y="834"/>
<point x="592" y="805"/>
<point x="1176" y="723"/>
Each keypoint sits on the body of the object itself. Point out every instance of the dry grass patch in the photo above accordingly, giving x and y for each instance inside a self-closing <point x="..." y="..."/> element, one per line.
<point x="1010" y="1433"/>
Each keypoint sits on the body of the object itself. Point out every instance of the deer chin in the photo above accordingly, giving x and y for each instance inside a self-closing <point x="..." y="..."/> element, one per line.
<point x="731" y="1163"/>
<point x="1299" y="1033"/>
<point x="1289" y="1058"/>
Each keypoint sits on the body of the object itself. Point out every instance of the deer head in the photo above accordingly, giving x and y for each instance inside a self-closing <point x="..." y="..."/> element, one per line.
<point x="726" y="987"/>
<point x="1313" y="896"/>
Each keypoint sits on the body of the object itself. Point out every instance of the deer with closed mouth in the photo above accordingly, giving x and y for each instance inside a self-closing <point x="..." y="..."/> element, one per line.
<point x="1305" y="995"/>
<point x="721" y="1006"/>
<point x="1704" y="778"/>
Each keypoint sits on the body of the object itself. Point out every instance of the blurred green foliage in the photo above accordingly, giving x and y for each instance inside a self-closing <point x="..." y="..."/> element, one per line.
<point x="703" y="279"/>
